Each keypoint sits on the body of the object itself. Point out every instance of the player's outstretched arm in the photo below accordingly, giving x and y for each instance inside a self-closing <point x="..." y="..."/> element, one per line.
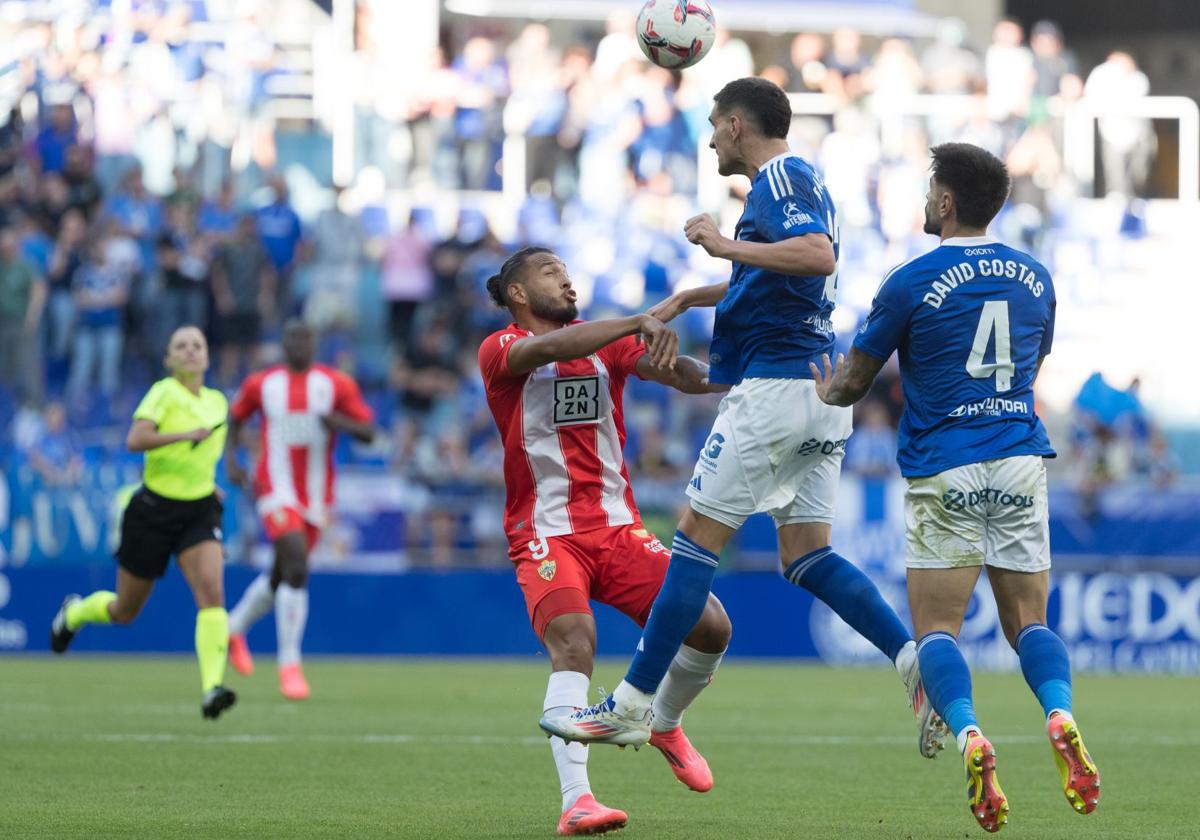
<point x="581" y="340"/>
<point x="336" y="421"/>
<point x="681" y="302"/>
<point x="690" y="376"/>
<point x="144" y="435"/>
<point x="810" y="255"/>
<point x="846" y="381"/>
<point x="233" y="468"/>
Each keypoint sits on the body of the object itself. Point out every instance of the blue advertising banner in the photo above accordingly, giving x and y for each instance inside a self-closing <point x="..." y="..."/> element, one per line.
<point x="1109" y="621"/>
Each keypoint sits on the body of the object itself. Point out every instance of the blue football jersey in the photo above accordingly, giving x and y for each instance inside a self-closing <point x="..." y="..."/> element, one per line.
<point x="970" y="320"/>
<point x="771" y="325"/>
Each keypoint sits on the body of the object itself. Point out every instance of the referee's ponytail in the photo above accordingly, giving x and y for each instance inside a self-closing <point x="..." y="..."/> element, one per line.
<point x="497" y="284"/>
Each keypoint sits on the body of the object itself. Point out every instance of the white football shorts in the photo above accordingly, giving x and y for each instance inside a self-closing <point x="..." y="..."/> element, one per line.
<point x="774" y="447"/>
<point x="993" y="513"/>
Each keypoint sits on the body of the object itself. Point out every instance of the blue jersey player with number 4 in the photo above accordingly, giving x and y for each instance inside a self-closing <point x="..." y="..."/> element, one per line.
<point x="774" y="447"/>
<point x="972" y="321"/>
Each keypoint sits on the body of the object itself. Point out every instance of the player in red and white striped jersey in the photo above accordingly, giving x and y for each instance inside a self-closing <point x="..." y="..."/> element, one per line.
<point x="302" y="406"/>
<point x="554" y="385"/>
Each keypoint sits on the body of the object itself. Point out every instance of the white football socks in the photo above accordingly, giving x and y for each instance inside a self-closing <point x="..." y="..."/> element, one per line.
<point x="291" y="614"/>
<point x="255" y="602"/>
<point x="905" y="659"/>
<point x="631" y="702"/>
<point x="565" y="692"/>
<point x="690" y="672"/>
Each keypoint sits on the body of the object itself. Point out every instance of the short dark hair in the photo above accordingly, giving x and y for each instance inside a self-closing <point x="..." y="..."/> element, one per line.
<point x="762" y="101"/>
<point x="976" y="178"/>
<point x="497" y="284"/>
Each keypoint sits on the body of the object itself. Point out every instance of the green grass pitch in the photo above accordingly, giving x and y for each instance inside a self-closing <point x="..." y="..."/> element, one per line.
<point x="96" y="747"/>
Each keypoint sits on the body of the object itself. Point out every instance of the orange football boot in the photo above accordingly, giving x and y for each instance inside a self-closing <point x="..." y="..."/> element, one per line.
<point x="292" y="684"/>
<point x="688" y="765"/>
<point x="587" y="816"/>
<point x="239" y="655"/>
<point x="987" y="801"/>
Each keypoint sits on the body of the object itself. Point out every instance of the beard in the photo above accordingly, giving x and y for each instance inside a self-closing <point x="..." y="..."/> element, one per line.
<point x="932" y="225"/>
<point x="553" y="309"/>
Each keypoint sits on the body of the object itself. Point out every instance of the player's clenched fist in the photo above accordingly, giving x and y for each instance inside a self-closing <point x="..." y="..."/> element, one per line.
<point x="662" y="344"/>
<point x="702" y="230"/>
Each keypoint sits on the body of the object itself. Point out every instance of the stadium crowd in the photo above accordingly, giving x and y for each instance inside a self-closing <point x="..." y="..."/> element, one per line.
<point x="138" y="192"/>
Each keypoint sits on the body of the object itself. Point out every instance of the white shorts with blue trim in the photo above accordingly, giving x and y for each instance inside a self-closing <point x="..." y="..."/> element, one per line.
<point x="774" y="447"/>
<point x="993" y="513"/>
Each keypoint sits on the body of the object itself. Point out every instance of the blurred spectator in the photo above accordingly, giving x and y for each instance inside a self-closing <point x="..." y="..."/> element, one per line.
<point x="52" y="142"/>
<point x="83" y="190"/>
<point x="139" y="213"/>
<point x="483" y="83"/>
<point x="1010" y="77"/>
<point x="183" y="190"/>
<point x="339" y="257"/>
<point x="244" y="291"/>
<point x="806" y="66"/>
<point x="618" y="46"/>
<point x="407" y="279"/>
<point x="22" y="299"/>
<point x="100" y="289"/>
<point x="183" y="261"/>
<point x="895" y="73"/>
<point x="54" y="449"/>
<point x="949" y="66"/>
<point x="1114" y="438"/>
<point x="65" y="259"/>
<point x="53" y="201"/>
<point x="871" y="450"/>
<point x="1127" y="144"/>
<point x="1056" y="71"/>
<point x="846" y="64"/>
<point x="427" y="376"/>
<point x="282" y="235"/>
<point x="218" y="217"/>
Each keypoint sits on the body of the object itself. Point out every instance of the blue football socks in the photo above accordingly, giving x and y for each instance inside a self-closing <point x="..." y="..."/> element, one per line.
<point x="851" y="594"/>
<point x="1046" y="666"/>
<point x="678" y="607"/>
<point x="947" y="680"/>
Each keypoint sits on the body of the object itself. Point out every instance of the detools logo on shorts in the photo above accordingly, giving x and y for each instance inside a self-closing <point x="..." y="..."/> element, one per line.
<point x="825" y="447"/>
<point x="547" y="569"/>
<point x="956" y="500"/>
<point x="712" y="446"/>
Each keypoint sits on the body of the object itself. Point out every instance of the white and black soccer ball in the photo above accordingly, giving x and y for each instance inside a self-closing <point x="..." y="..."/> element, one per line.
<point x="676" y="33"/>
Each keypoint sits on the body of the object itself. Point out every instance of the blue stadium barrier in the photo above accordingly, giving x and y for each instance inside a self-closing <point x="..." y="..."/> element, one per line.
<point x="1110" y="621"/>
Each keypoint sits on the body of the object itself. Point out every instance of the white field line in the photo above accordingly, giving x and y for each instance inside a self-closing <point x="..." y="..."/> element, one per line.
<point x="535" y="740"/>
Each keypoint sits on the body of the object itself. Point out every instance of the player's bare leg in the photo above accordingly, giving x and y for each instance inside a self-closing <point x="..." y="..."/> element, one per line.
<point x="1021" y="601"/>
<point x="938" y="599"/>
<point x="623" y="718"/>
<point x="690" y="673"/>
<point x="291" y="611"/>
<point x="809" y="561"/>
<point x="203" y="566"/>
<point x="570" y="640"/>
<point x="120" y="607"/>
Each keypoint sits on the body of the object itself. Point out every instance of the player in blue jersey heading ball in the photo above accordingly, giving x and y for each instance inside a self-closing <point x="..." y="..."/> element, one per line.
<point x="774" y="446"/>
<point x="972" y="321"/>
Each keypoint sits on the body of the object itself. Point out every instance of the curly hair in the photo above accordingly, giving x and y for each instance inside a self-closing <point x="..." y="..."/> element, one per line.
<point x="497" y="284"/>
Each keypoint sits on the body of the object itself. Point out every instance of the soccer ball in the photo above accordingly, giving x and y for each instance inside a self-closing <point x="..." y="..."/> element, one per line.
<point x="676" y="33"/>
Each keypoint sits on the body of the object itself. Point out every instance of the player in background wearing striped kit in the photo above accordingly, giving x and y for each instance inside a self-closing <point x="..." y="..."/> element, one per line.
<point x="554" y="385"/>
<point x="302" y="406"/>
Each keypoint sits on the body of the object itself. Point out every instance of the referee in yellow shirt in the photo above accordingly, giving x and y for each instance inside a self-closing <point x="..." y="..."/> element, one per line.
<point x="180" y="425"/>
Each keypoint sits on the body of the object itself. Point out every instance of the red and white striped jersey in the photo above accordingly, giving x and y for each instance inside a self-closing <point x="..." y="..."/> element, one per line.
<point x="295" y="465"/>
<point x="564" y="433"/>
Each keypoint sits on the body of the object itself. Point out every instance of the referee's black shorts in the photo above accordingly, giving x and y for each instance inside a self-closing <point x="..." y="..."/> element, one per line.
<point x="155" y="527"/>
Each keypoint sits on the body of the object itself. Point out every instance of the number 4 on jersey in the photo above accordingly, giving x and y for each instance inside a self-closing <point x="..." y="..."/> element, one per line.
<point x="993" y="320"/>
